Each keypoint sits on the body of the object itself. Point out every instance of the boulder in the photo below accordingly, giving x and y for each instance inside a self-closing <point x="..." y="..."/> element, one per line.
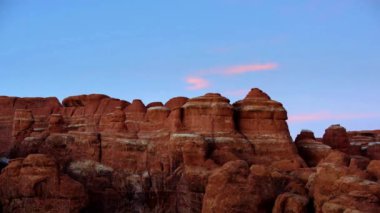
<point x="289" y="202"/>
<point x="237" y="188"/>
<point x="176" y="102"/>
<point x="374" y="169"/>
<point x="337" y="188"/>
<point x="154" y="104"/>
<point x="337" y="138"/>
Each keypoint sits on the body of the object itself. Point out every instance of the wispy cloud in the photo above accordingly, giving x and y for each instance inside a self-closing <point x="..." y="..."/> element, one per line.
<point x="240" y="69"/>
<point x="322" y="116"/>
<point x="197" y="83"/>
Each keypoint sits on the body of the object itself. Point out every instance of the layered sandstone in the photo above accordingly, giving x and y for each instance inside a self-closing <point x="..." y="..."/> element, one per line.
<point x="336" y="137"/>
<point x="201" y="154"/>
<point x="311" y="150"/>
<point x="17" y="114"/>
<point x="263" y="122"/>
<point x="35" y="184"/>
<point x="337" y="187"/>
<point x="368" y="141"/>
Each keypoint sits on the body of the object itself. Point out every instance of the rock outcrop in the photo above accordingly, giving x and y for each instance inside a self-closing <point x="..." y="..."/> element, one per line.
<point x="94" y="153"/>
<point x="263" y="122"/>
<point x="336" y="137"/>
<point x="311" y="150"/>
<point x="366" y="143"/>
<point x="233" y="188"/>
<point x="336" y="187"/>
<point x="34" y="184"/>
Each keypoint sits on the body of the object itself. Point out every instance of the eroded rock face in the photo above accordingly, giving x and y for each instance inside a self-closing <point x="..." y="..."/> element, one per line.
<point x="34" y="184"/>
<point x="14" y="110"/>
<point x="335" y="187"/>
<point x="364" y="137"/>
<point x="229" y="189"/>
<point x="289" y="202"/>
<point x="367" y="143"/>
<point x="263" y="122"/>
<point x="374" y="169"/>
<point x="207" y="114"/>
<point x="311" y="150"/>
<point x="336" y="137"/>
<point x="373" y="150"/>
<point x="201" y="154"/>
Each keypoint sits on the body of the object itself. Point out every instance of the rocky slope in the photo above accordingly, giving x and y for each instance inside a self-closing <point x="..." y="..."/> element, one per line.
<point x="93" y="153"/>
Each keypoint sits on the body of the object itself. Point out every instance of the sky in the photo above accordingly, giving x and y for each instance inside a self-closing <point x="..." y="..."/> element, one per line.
<point x="320" y="58"/>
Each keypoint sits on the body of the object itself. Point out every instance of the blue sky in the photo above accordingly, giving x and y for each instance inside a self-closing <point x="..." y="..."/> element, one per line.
<point x="320" y="58"/>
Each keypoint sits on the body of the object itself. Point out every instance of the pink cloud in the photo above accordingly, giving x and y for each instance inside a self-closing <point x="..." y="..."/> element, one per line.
<point x="240" y="69"/>
<point x="197" y="83"/>
<point x="322" y="116"/>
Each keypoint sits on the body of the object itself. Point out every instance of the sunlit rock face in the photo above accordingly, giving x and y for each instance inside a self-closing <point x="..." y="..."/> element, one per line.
<point x="263" y="122"/>
<point x="202" y="154"/>
<point x="209" y="114"/>
<point x="18" y="114"/>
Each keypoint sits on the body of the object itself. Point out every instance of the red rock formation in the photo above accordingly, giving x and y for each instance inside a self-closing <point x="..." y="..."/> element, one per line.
<point x="113" y="122"/>
<point x="22" y="124"/>
<point x="154" y="104"/>
<point x="311" y="150"/>
<point x="364" y="137"/>
<point x="336" y="188"/>
<point x="56" y="123"/>
<point x="190" y="155"/>
<point x="263" y="122"/>
<point x="176" y="102"/>
<point x="34" y="184"/>
<point x="135" y="113"/>
<point x="236" y="187"/>
<point x="337" y="138"/>
<point x="289" y="202"/>
<point x="66" y="147"/>
<point x="209" y="114"/>
<point x="374" y="169"/>
<point x="233" y="188"/>
<point x="305" y="135"/>
<point x="373" y="150"/>
<point x="366" y="143"/>
<point x="38" y="108"/>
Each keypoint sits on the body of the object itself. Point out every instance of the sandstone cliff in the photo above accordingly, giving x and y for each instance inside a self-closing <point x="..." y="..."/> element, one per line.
<point x="94" y="153"/>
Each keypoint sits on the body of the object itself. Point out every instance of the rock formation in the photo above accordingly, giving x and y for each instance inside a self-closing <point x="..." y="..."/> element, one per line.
<point x="311" y="150"/>
<point x="367" y="141"/>
<point x="336" y="186"/>
<point x="336" y="137"/>
<point x="94" y="153"/>
<point x="34" y="184"/>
